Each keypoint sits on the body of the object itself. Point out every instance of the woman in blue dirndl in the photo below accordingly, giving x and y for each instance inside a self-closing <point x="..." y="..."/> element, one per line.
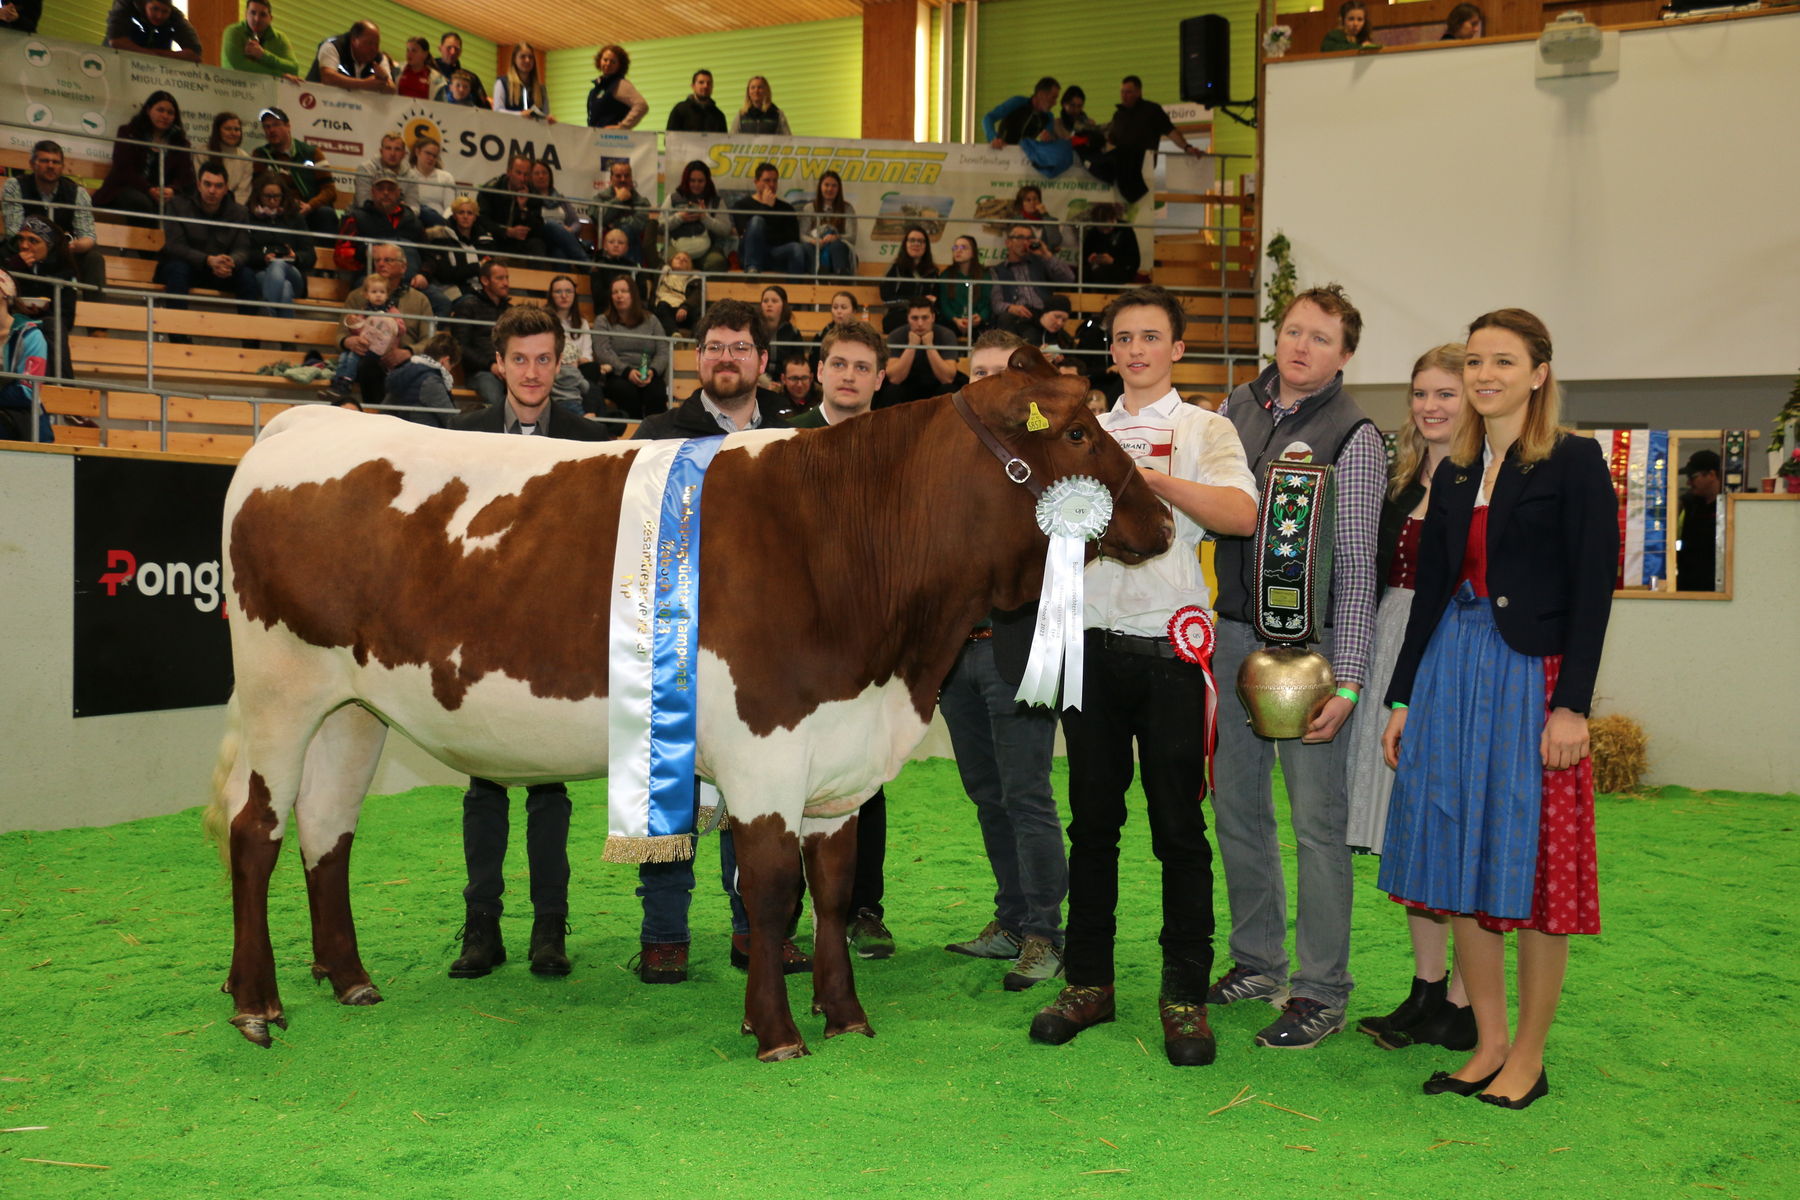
<point x="1491" y="819"/>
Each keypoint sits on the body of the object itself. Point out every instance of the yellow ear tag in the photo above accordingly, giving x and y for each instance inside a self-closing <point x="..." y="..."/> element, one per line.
<point x="1036" y="420"/>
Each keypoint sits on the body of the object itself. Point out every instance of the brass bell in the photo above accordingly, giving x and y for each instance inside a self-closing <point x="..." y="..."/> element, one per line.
<point x="1283" y="688"/>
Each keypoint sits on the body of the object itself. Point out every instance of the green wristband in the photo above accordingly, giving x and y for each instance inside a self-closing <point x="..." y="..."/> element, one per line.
<point x="1349" y="694"/>
<point x="1398" y="706"/>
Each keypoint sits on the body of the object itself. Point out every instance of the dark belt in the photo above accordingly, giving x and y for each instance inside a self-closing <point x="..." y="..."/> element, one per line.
<point x="982" y="634"/>
<point x="1134" y="643"/>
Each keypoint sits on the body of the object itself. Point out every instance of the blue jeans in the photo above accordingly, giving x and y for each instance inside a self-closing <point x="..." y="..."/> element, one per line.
<point x="1244" y="822"/>
<point x="281" y="282"/>
<point x="834" y="258"/>
<point x="349" y="366"/>
<point x="1003" y="750"/>
<point x="487" y="385"/>
<point x="789" y="258"/>
<point x="562" y="243"/>
<point x="179" y="277"/>
<point x="667" y="888"/>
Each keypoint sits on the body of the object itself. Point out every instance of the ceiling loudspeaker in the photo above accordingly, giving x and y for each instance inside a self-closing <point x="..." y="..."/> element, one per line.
<point x="1206" y="60"/>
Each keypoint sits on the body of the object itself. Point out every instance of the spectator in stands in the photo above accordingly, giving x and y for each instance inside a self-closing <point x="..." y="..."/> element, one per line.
<point x="40" y="267"/>
<point x="256" y="46"/>
<point x="759" y="114"/>
<point x="21" y="16"/>
<point x="828" y="226"/>
<point x="698" y="113"/>
<point x="778" y="321"/>
<point x="693" y="220"/>
<point x="963" y="290"/>
<point x="463" y="88"/>
<point x="305" y="168"/>
<point x="1465" y="22"/>
<point x="562" y="216"/>
<point x="1136" y="129"/>
<point x="152" y="27"/>
<point x="390" y="159"/>
<point x="151" y="164"/>
<point x="384" y="218"/>
<point x="772" y="228"/>
<point x="450" y="48"/>
<point x="577" y="371"/>
<point x="225" y="145"/>
<point x="477" y="311"/>
<point x="25" y="355"/>
<point x="205" y="241"/>
<point x="622" y="208"/>
<point x="1352" y="32"/>
<point x="849" y="379"/>
<point x="353" y="60"/>
<point x="279" y="242"/>
<point x="379" y="324"/>
<point x="794" y="377"/>
<point x="1019" y="294"/>
<point x="1109" y="248"/>
<point x="843" y="312"/>
<point x="52" y="196"/>
<point x="506" y="200"/>
<point x="1028" y="206"/>
<point x="613" y="262"/>
<point x="921" y="357"/>
<point x="678" y="292"/>
<point x="1073" y="121"/>
<point x="425" y="186"/>
<point x="1019" y="119"/>
<point x="388" y="261"/>
<point x="424" y="380"/>
<point x="1051" y="334"/>
<point x="419" y="78"/>
<point x="612" y="102"/>
<point x="912" y="276"/>
<point x="521" y="89"/>
<point x="633" y="353"/>
<point x="461" y="246"/>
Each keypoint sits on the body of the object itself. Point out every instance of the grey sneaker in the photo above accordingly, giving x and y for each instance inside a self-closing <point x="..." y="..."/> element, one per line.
<point x="992" y="942"/>
<point x="1303" y="1024"/>
<point x="1241" y="983"/>
<point x="1038" y="961"/>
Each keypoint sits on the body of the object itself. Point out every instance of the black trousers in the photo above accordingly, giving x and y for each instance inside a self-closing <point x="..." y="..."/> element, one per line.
<point x="1158" y="704"/>
<point x="485" y="829"/>
<point x="871" y="855"/>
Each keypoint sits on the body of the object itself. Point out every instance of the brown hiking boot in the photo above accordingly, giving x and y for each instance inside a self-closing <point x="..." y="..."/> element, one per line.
<point x="794" y="960"/>
<point x="661" y="962"/>
<point x="1073" y="1010"/>
<point x="1187" y="1039"/>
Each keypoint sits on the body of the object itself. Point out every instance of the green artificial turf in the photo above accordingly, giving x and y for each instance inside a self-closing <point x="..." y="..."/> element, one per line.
<point x="1672" y="1064"/>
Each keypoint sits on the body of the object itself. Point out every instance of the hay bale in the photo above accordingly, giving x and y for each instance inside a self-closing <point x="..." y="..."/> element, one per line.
<point x="1621" y="752"/>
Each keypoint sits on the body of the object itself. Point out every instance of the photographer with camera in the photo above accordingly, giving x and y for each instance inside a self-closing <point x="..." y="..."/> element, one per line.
<point x="1019" y="295"/>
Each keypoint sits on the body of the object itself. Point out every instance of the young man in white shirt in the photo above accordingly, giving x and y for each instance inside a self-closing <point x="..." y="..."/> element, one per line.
<point x="1137" y="692"/>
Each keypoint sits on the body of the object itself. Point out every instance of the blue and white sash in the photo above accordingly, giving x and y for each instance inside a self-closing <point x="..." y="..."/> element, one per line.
<point x="653" y="649"/>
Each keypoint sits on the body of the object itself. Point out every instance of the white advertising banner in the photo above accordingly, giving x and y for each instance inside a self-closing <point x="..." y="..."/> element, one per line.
<point x="949" y="189"/>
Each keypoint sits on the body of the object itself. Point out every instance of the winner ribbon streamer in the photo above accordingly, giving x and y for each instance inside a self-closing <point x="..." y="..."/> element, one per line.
<point x="1191" y="633"/>
<point x="1071" y="512"/>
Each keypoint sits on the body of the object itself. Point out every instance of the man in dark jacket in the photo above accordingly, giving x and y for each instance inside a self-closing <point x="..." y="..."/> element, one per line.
<point x="507" y="201"/>
<point x="384" y="218"/>
<point x="476" y="312"/>
<point x="698" y="113"/>
<point x="449" y="62"/>
<point x="527" y="349"/>
<point x="152" y="27"/>
<point x="197" y="251"/>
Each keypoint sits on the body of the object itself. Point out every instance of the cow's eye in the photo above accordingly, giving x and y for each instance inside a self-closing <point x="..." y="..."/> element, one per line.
<point x="1077" y="433"/>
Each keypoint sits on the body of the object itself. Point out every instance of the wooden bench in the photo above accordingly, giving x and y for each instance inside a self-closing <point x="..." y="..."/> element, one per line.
<point x="111" y="408"/>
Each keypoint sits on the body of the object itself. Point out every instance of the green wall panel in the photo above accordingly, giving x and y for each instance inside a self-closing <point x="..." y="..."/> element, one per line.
<point x="814" y="70"/>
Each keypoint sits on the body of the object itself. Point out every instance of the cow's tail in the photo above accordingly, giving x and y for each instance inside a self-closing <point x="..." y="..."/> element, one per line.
<point x="217" y="821"/>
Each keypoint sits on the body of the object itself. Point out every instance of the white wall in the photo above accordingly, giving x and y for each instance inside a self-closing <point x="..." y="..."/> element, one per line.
<point x="1647" y="216"/>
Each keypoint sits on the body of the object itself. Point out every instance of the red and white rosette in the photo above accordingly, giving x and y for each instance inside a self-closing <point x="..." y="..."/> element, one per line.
<point x="1191" y="633"/>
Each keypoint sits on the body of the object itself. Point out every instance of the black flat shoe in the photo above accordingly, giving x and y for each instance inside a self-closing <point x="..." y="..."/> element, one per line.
<point x="1442" y="1081"/>
<point x="1538" y="1090"/>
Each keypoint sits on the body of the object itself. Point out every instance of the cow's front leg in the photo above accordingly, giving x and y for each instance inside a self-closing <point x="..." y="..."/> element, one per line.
<point x="830" y="849"/>
<point x="768" y="856"/>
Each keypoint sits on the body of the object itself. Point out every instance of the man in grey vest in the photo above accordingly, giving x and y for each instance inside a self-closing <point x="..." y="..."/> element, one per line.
<point x="1297" y="410"/>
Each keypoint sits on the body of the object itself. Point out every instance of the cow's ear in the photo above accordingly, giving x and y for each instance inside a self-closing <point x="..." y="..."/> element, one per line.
<point x="1031" y="360"/>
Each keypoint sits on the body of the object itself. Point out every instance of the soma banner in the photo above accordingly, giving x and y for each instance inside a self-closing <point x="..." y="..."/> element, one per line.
<point x="949" y="189"/>
<point x="150" y="629"/>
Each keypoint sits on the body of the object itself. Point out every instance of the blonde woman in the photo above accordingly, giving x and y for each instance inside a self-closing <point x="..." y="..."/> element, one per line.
<point x="521" y="89"/>
<point x="759" y="114"/>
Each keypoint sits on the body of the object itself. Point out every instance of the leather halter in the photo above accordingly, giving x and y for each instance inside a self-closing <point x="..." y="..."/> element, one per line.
<point x="1017" y="469"/>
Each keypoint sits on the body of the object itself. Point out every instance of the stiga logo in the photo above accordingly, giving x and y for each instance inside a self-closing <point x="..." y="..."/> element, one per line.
<point x="197" y="581"/>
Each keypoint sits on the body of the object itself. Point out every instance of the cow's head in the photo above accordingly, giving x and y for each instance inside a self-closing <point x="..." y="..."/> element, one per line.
<point x="1070" y="443"/>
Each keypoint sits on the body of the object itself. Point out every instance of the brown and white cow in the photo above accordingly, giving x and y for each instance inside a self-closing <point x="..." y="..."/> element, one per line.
<point x="455" y="586"/>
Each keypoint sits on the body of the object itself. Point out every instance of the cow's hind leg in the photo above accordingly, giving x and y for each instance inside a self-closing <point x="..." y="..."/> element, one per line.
<point x="768" y="856"/>
<point x="340" y="762"/>
<point x="830" y="849"/>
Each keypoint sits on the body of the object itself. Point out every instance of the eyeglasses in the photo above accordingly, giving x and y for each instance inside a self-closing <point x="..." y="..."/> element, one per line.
<point x="717" y="350"/>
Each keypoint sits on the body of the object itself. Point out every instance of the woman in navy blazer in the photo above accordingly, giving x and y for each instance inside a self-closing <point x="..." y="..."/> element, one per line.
<point x="1492" y="810"/>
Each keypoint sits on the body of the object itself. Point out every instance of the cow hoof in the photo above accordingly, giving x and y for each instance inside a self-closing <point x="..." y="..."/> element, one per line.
<point x="861" y="1027"/>
<point x="256" y="1029"/>
<point x="362" y="994"/>
<point x="783" y="1053"/>
<point x="745" y="1030"/>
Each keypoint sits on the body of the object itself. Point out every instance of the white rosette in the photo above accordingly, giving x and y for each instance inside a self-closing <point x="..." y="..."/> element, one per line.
<point x="1071" y="512"/>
